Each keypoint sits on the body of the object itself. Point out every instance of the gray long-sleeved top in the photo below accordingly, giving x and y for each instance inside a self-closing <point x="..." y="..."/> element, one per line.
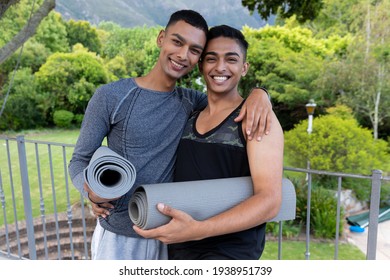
<point x="143" y="126"/>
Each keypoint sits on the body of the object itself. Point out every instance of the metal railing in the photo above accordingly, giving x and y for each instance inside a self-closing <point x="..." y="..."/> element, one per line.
<point x="376" y="177"/>
<point x="44" y="185"/>
<point x="63" y="225"/>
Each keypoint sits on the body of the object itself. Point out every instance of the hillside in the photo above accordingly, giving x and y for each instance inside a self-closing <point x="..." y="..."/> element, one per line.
<point x="130" y="13"/>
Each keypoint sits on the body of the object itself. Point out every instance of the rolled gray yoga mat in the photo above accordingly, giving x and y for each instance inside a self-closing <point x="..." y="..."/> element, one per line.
<point x="108" y="174"/>
<point x="200" y="199"/>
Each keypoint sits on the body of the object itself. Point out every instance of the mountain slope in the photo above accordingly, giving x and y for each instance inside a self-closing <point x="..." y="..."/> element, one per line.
<point x="130" y="13"/>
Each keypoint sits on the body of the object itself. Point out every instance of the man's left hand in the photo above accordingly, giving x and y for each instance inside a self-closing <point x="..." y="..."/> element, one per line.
<point x="257" y="109"/>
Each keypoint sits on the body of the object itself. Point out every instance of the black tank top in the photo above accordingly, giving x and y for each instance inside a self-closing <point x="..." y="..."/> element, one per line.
<point x="219" y="153"/>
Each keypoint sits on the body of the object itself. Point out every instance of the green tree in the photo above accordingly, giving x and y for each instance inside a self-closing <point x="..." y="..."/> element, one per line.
<point x="17" y="37"/>
<point x="288" y="61"/>
<point x="303" y="10"/>
<point x="337" y="18"/>
<point x="12" y="21"/>
<point x="24" y="108"/>
<point x="117" y="66"/>
<point x="82" y="32"/>
<point x="33" y="56"/>
<point x="133" y="44"/>
<point x="122" y="39"/>
<point x="65" y="73"/>
<point x="5" y="4"/>
<point x="372" y="99"/>
<point x="52" y="33"/>
<point x="79" y="94"/>
<point x="151" y="55"/>
<point x="362" y="77"/>
<point x="338" y="144"/>
<point x="282" y="59"/>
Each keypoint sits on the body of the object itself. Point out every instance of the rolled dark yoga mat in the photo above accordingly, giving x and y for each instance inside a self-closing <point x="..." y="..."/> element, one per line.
<point x="200" y="199"/>
<point x="108" y="174"/>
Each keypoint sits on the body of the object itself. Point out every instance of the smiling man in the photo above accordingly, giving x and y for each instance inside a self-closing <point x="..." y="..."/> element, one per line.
<point x="143" y="119"/>
<point x="214" y="146"/>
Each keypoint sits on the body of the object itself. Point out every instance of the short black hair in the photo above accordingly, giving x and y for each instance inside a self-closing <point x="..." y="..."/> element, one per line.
<point x="191" y="17"/>
<point x="229" y="32"/>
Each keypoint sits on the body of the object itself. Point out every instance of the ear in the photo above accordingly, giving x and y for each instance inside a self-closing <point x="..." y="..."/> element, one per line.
<point x="160" y="38"/>
<point x="245" y="69"/>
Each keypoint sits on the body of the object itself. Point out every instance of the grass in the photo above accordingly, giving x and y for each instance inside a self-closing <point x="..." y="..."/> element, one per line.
<point x="50" y="185"/>
<point x="54" y="190"/>
<point x="295" y="250"/>
<point x="68" y="136"/>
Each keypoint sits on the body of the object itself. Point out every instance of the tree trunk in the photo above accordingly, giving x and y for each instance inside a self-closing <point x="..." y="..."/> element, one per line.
<point x="27" y="31"/>
<point x="368" y="31"/>
<point x="4" y="5"/>
<point x="381" y="71"/>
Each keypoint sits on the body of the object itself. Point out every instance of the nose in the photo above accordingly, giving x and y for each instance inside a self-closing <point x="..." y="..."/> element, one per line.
<point x="183" y="53"/>
<point x="220" y="66"/>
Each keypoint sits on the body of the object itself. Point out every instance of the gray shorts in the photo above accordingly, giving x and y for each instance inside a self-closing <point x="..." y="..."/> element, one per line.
<point x="107" y="245"/>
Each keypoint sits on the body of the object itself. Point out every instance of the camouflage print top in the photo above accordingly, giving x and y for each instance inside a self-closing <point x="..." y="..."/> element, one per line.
<point x="219" y="153"/>
<point x="228" y="132"/>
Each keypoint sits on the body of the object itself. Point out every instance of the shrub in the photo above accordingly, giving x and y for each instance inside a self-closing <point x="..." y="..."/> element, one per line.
<point x="24" y="107"/>
<point x="63" y="118"/>
<point x="71" y="75"/>
<point x="337" y="144"/>
<point x="290" y="229"/>
<point x="78" y="119"/>
<point x="21" y="112"/>
<point x="323" y="211"/>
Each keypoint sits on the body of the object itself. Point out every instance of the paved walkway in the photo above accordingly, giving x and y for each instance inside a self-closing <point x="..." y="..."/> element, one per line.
<point x="383" y="242"/>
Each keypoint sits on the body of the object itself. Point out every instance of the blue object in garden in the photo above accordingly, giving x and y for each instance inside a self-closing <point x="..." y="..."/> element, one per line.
<point x="356" y="229"/>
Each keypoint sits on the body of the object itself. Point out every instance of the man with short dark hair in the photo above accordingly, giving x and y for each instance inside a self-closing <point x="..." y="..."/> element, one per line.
<point x="143" y="119"/>
<point x="214" y="146"/>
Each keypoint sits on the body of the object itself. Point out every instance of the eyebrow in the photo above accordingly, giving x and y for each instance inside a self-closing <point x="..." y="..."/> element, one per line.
<point x="227" y="54"/>
<point x="181" y="38"/>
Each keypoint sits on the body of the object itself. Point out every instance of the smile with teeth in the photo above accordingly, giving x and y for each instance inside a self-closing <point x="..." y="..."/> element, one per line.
<point x="177" y="65"/>
<point x="220" y="78"/>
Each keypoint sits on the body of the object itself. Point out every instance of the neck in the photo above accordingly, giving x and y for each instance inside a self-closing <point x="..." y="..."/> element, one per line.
<point x="156" y="80"/>
<point x="222" y="101"/>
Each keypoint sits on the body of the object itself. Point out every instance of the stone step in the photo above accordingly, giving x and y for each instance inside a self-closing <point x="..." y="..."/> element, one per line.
<point x="65" y="252"/>
<point x="51" y="239"/>
<point x="49" y="228"/>
<point x="50" y="225"/>
<point x="56" y="231"/>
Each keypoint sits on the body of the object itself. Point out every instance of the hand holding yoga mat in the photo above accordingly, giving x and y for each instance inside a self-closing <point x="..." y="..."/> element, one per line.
<point x="108" y="174"/>
<point x="200" y="199"/>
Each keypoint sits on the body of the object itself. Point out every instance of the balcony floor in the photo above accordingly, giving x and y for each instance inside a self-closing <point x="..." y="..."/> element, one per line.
<point x="383" y="241"/>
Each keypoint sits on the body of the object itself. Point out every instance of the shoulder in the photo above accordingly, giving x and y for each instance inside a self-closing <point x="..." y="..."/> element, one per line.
<point x="109" y="97"/>
<point x="192" y="93"/>
<point x="119" y="87"/>
<point x="196" y="100"/>
<point x="276" y="131"/>
<point x="112" y="93"/>
<point x="275" y="138"/>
